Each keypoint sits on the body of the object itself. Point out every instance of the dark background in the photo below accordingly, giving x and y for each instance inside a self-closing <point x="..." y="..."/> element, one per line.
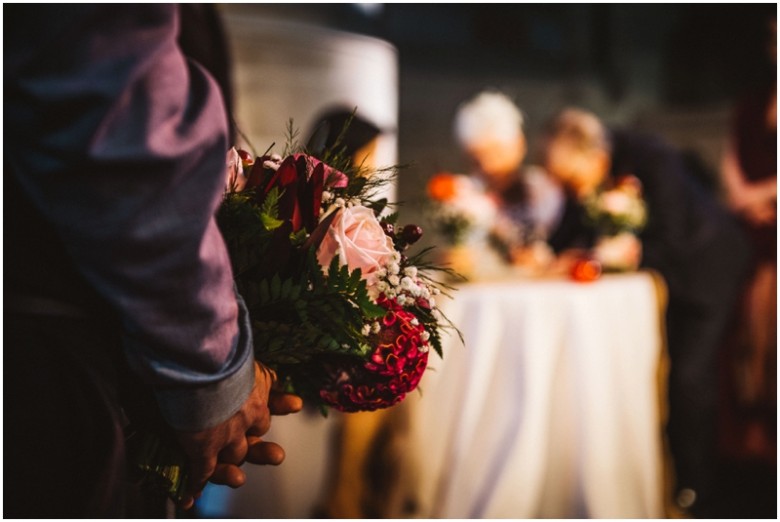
<point x="672" y="69"/>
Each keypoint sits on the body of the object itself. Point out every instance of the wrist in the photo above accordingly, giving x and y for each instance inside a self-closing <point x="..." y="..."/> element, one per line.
<point x="197" y="407"/>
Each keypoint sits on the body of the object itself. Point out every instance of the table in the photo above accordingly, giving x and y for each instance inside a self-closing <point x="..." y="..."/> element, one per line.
<point x="551" y="409"/>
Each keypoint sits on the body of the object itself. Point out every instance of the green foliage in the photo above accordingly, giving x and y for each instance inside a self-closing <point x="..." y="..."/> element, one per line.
<point x="244" y="228"/>
<point x="291" y="139"/>
<point x="454" y="229"/>
<point x="269" y="210"/>
<point x="298" y="318"/>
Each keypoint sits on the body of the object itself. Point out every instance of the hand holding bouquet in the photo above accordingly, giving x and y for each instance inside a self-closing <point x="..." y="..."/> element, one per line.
<point x="339" y="309"/>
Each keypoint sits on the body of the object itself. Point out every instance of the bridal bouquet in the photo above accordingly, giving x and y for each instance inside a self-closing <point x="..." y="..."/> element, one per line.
<point x="340" y="309"/>
<point x="618" y="213"/>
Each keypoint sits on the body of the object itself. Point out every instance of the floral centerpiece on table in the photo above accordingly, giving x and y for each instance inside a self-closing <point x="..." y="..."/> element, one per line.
<point x="340" y="309"/>
<point x="618" y="213"/>
<point x="468" y="220"/>
<point x="461" y="209"/>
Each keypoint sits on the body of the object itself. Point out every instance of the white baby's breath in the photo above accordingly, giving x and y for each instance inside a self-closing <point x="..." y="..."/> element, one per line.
<point x="407" y="283"/>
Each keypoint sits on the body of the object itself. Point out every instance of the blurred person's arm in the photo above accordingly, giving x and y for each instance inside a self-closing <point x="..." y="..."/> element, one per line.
<point x="755" y="200"/>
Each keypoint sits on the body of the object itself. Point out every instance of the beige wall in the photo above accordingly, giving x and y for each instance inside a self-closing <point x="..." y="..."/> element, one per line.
<point x="284" y="70"/>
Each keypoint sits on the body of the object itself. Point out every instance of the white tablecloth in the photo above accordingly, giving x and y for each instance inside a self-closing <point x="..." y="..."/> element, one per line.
<point x="552" y="407"/>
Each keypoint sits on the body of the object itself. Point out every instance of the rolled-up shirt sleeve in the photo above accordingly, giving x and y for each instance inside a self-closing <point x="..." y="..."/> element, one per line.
<point x="120" y="143"/>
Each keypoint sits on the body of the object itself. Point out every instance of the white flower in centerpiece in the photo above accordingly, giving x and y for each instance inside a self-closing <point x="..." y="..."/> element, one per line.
<point x="620" y="252"/>
<point x="616" y="202"/>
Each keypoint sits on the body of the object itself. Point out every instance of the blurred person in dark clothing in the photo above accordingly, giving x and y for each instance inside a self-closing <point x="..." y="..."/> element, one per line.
<point x="692" y="242"/>
<point x="114" y="269"/>
<point x="749" y="173"/>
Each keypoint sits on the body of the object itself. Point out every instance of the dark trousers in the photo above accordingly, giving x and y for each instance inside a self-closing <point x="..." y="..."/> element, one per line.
<point x="64" y="453"/>
<point x="697" y="327"/>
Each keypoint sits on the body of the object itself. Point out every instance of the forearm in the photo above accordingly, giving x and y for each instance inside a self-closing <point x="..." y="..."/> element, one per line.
<point x="120" y="145"/>
<point x="741" y="193"/>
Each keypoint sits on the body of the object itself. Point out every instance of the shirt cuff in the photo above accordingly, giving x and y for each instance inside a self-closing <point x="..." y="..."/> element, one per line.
<point x="198" y="408"/>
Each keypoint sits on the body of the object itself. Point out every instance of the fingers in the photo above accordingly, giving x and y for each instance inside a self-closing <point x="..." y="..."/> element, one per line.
<point x="264" y="453"/>
<point x="216" y="453"/>
<point x="261" y="423"/>
<point x="284" y="403"/>
<point x="187" y="502"/>
<point x="200" y="471"/>
<point x="234" y="453"/>
<point x="228" y="475"/>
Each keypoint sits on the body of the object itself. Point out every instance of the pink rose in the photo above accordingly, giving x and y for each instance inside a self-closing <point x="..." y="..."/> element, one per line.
<point x="359" y="240"/>
<point x="236" y="180"/>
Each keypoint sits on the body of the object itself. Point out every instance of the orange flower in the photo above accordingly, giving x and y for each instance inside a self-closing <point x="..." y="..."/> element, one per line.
<point x="442" y="187"/>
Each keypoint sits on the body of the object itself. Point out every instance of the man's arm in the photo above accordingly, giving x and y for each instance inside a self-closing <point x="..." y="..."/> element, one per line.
<point x="120" y="143"/>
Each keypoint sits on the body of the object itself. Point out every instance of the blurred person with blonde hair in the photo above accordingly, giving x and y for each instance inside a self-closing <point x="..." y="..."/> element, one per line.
<point x="692" y="242"/>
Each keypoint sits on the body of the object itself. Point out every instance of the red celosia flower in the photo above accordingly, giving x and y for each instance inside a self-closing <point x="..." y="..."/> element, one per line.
<point x="393" y="369"/>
